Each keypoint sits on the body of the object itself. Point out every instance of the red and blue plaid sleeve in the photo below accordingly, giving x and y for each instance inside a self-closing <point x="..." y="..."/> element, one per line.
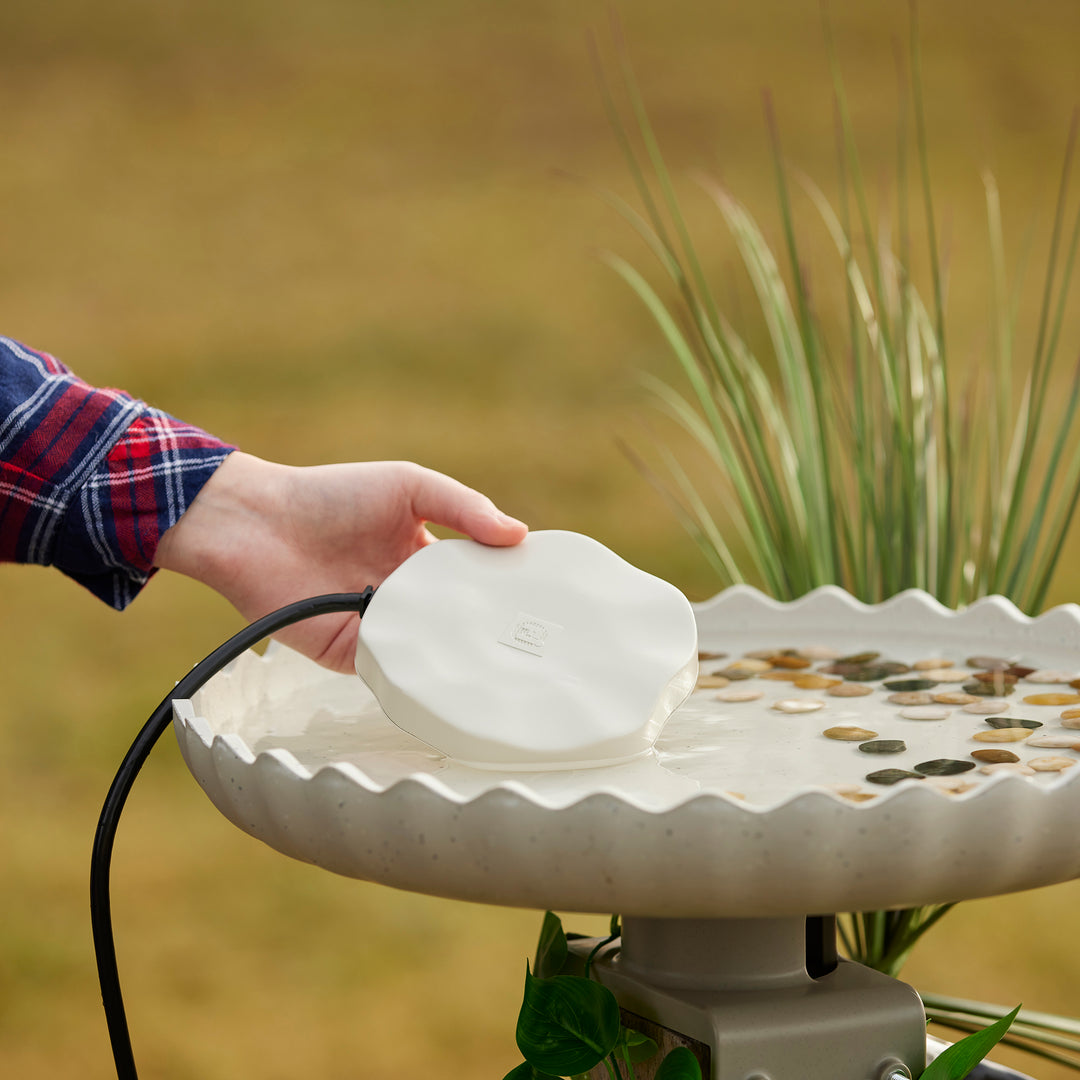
<point x="90" y="479"/>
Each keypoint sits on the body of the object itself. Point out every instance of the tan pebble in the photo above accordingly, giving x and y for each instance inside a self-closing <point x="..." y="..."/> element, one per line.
<point x="737" y="693"/>
<point x="793" y="663"/>
<point x="1059" y="742"/>
<point x="986" y="706"/>
<point x="946" y="675"/>
<point x="1009" y="734"/>
<point x="849" y="734"/>
<point x="850" y="689"/>
<point x="1045" y="675"/>
<point x="843" y="789"/>
<point x="1052" y="699"/>
<point x="994" y="757"/>
<point x="705" y="654"/>
<point x="955" y="697"/>
<point x="925" y="712"/>
<point x="954" y="785"/>
<point x="755" y="667"/>
<point x="1070" y="721"/>
<point x="735" y="795"/>
<point x="793" y="705"/>
<point x="816" y="682"/>
<point x="760" y="654"/>
<point x="819" y="652"/>
<point x="1071" y="714"/>
<point x="1007" y="767"/>
<point x="779" y="676"/>
<point x="931" y="665"/>
<point x="712" y="682"/>
<point x="860" y="796"/>
<point x="1050" y="763"/>
<point x="911" y="697"/>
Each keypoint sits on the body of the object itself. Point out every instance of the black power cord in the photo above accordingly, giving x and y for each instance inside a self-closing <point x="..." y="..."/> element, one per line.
<point x="160" y="719"/>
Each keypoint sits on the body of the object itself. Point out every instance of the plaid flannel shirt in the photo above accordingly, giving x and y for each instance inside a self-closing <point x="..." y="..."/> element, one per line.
<point x="90" y="478"/>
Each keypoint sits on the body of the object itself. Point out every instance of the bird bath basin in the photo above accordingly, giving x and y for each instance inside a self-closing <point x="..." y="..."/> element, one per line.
<point x="717" y="845"/>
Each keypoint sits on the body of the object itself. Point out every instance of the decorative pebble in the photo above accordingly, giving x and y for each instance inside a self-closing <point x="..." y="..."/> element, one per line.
<point x="955" y="697"/>
<point x="892" y="776"/>
<point x="951" y="785"/>
<point x="1070" y="721"/>
<point x="987" y="707"/>
<point x="911" y="697"/>
<point x="988" y="663"/>
<point x="996" y="678"/>
<point x="932" y="665"/>
<point x="780" y="675"/>
<point x="849" y="734"/>
<point x="1008" y="767"/>
<point x="843" y="789"/>
<point x="792" y="705"/>
<point x="1002" y="735"/>
<point x="944" y="767"/>
<point x="793" y="663"/>
<point x="1012" y="721"/>
<point x="883" y="746"/>
<point x="860" y="796"/>
<point x="819" y="652"/>
<point x="859" y="658"/>
<point x="1075" y="684"/>
<point x="816" y="682"/>
<point x="868" y="673"/>
<point x="1019" y="671"/>
<point x="986" y="690"/>
<point x="947" y="675"/>
<point x="1060" y="742"/>
<point x="712" y="682"/>
<point x="1050" y="764"/>
<point x="925" y="712"/>
<point x="1046" y="675"/>
<point x="910" y="684"/>
<point x="749" y="665"/>
<point x="1052" y="699"/>
<point x="849" y="689"/>
<point x="738" y="694"/>
<point x="704" y="654"/>
<point x="736" y="674"/>
<point x="1071" y="714"/>
<point x="994" y="757"/>
<point x="760" y="654"/>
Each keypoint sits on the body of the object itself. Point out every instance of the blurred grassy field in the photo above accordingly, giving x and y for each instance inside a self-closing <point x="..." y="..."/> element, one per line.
<point x="331" y="230"/>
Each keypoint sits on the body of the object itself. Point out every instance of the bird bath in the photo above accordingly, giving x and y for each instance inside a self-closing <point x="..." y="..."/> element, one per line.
<point x="715" y="847"/>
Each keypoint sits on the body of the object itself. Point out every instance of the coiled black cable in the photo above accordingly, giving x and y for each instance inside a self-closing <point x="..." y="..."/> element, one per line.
<point x="160" y="719"/>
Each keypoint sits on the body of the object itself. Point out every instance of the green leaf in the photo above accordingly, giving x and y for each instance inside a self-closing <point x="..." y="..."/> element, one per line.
<point x="960" y="1058"/>
<point x="526" y="1072"/>
<point x="551" y="949"/>
<point x="680" y="1064"/>
<point x="639" y="1047"/>
<point x="567" y="1024"/>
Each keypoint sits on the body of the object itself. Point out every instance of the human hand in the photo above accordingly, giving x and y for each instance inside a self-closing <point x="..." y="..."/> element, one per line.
<point x="264" y="535"/>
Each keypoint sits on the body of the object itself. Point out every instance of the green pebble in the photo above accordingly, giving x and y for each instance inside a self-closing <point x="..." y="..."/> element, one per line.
<point x="868" y="673"/>
<point x="883" y="746"/>
<point x="944" y="767"/>
<point x="982" y="689"/>
<point x="892" y="776"/>
<point x="911" y="684"/>
<point x="1012" y="721"/>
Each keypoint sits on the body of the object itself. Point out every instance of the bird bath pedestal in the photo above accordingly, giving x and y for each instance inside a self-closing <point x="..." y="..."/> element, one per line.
<point x="725" y="850"/>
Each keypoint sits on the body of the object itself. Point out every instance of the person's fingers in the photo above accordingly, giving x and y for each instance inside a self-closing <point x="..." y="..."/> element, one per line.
<point x="445" y="501"/>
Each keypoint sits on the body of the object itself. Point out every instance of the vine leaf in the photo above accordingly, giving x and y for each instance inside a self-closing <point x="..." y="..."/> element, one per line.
<point x="639" y="1047"/>
<point x="680" y="1064"/>
<point x="567" y="1024"/>
<point x="551" y="948"/>
<point x="960" y="1058"/>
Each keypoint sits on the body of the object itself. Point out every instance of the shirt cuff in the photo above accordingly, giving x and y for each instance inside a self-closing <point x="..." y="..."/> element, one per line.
<point x="140" y="488"/>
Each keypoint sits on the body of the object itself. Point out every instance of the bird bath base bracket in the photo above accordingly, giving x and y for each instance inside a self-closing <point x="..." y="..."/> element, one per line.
<point x="759" y="999"/>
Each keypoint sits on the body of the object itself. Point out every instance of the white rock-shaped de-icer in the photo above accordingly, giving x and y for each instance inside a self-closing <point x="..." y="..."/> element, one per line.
<point x="554" y="653"/>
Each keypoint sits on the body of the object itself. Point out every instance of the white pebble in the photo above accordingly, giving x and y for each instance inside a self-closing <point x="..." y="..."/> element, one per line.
<point x="1071" y="722"/>
<point x="1007" y="767"/>
<point x="1050" y="676"/>
<point x="793" y="705"/>
<point x="737" y="694"/>
<point x="1066" y="742"/>
<point x="946" y="675"/>
<point x="925" y="712"/>
<point x="1050" y="764"/>
<point x="987" y="706"/>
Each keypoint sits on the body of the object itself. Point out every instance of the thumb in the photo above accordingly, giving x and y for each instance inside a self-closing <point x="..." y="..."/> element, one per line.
<point x="444" y="501"/>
